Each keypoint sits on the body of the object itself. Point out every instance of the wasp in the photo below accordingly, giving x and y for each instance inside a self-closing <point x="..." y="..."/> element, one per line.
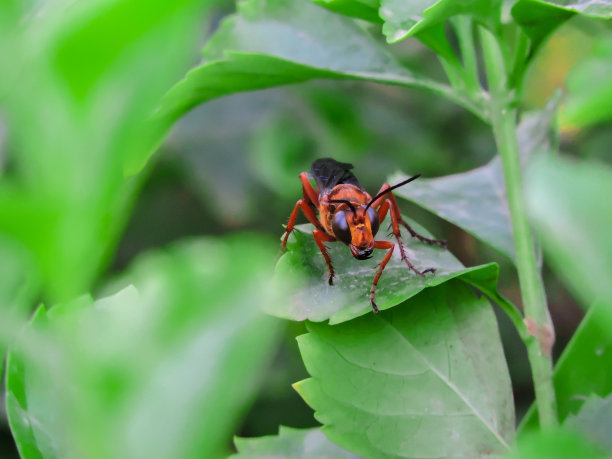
<point x="349" y="214"/>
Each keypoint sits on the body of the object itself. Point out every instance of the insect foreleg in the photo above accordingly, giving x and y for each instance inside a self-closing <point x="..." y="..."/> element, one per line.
<point x="381" y="266"/>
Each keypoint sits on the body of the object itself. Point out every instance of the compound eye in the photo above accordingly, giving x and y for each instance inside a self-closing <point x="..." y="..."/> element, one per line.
<point x="374" y="221"/>
<point x="341" y="227"/>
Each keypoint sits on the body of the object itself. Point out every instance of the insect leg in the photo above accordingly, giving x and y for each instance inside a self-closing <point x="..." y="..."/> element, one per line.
<point x="309" y="196"/>
<point x="320" y="237"/>
<point x="395" y="214"/>
<point x="388" y="203"/>
<point x="381" y="266"/>
<point x="307" y="191"/>
<point x="310" y="215"/>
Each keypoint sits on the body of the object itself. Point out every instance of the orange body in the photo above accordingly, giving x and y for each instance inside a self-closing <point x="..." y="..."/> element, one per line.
<point x="359" y="223"/>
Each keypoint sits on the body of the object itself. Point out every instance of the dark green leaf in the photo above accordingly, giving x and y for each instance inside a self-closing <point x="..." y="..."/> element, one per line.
<point x="568" y="203"/>
<point x="404" y="19"/>
<point x="164" y="369"/>
<point x="314" y="299"/>
<point x="291" y="443"/>
<point x="273" y="42"/>
<point x="594" y="421"/>
<point x="539" y="18"/>
<point x="589" y="93"/>
<point x="427" y="379"/>
<point x="584" y="366"/>
<point x="476" y="200"/>
<point x="557" y="444"/>
<point x="361" y="9"/>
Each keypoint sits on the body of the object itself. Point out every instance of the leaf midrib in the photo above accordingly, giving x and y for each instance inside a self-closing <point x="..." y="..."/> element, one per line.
<point x="450" y="385"/>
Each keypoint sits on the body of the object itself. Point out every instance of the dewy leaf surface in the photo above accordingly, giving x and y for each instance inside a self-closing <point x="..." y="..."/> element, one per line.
<point x="291" y="443"/>
<point x="583" y="368"/>
<point x="427" y="379"/>
<point x="164" y="369"/>
<point x="314" y="299"/>
<point x="275" y="42"/>
<point x="476" y="200"/>
<point x="407" y="18"/>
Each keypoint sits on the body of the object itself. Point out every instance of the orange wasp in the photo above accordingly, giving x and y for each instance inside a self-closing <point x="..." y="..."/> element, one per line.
<point x="347" y="213"/>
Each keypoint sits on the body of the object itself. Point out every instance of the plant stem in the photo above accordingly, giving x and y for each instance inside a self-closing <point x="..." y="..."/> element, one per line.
<point x="503" y="119"/>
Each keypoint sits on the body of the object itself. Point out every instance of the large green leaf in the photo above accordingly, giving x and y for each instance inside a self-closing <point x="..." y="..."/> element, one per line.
<point x="78" y="85"/>
<point x="314" y="299"/>
<point x="594" y="421"/>
<point x="589" y="96"/>
<point x="557" y="444"/>
<point x="165" y="369"/>
<point x="291" y="443"/>
<point x="539" y="18"/>
<point x="583" y="368"/>
<point x="362" y="9"/>
<point x="404" y="19"/>
<point x="427" y="379"/>
<point x="476" y="200"/>
<point x="568" y="203"/>
<point x="275" y="42"/>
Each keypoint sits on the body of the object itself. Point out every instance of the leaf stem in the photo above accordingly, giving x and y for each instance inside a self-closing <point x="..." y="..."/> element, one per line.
<point x="463" y="29"/>
<point x="503" y="119"/>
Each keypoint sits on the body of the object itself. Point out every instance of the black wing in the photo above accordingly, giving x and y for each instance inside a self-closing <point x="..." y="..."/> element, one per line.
<point x="328" y="173"/>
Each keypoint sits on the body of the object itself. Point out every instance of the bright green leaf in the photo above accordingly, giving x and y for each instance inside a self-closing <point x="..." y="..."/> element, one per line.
<point x="557" y="444"/>
<point x="314" y="299"/>
<point x="568" y="203"/>
<point x="476" y="200"/>
<point x="404" y="19"/>
<point x="427" y="379"/>
<point x="78" y="83"/>
<point x="291" y="443"/>
<point x="361" y="9"/>
<point x="165" y="369"/>
<point x="594" y="421"/>
<point x="589" y="91"/>
<point x="539" y="18"/>
<point x="273" y="42"/>
<point x="584" y="367"/>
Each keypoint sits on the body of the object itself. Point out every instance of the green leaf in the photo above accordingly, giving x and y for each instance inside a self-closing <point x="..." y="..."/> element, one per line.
<point x="165" y="369"/>
<point x="405" y="19"/>
<point x="558" y="444"/>
<point x="567" y="202"/>
<point x="583" y="368"/>
<point x="589" y="98"/>
<point x="539" y="18"/>
<point x="314" y="299"/>
<point x="476" y="200"/>
<point x="78" y="85"/>
<point x="427" y="379"/>
<point x="291" y="443"/>
<point x="276" y="42"/>
<point x="594" y="421"/>
<point x="361" y="9"/>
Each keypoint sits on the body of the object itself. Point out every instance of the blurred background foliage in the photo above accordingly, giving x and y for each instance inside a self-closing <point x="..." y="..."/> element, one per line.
<point x="231" y="165"/>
